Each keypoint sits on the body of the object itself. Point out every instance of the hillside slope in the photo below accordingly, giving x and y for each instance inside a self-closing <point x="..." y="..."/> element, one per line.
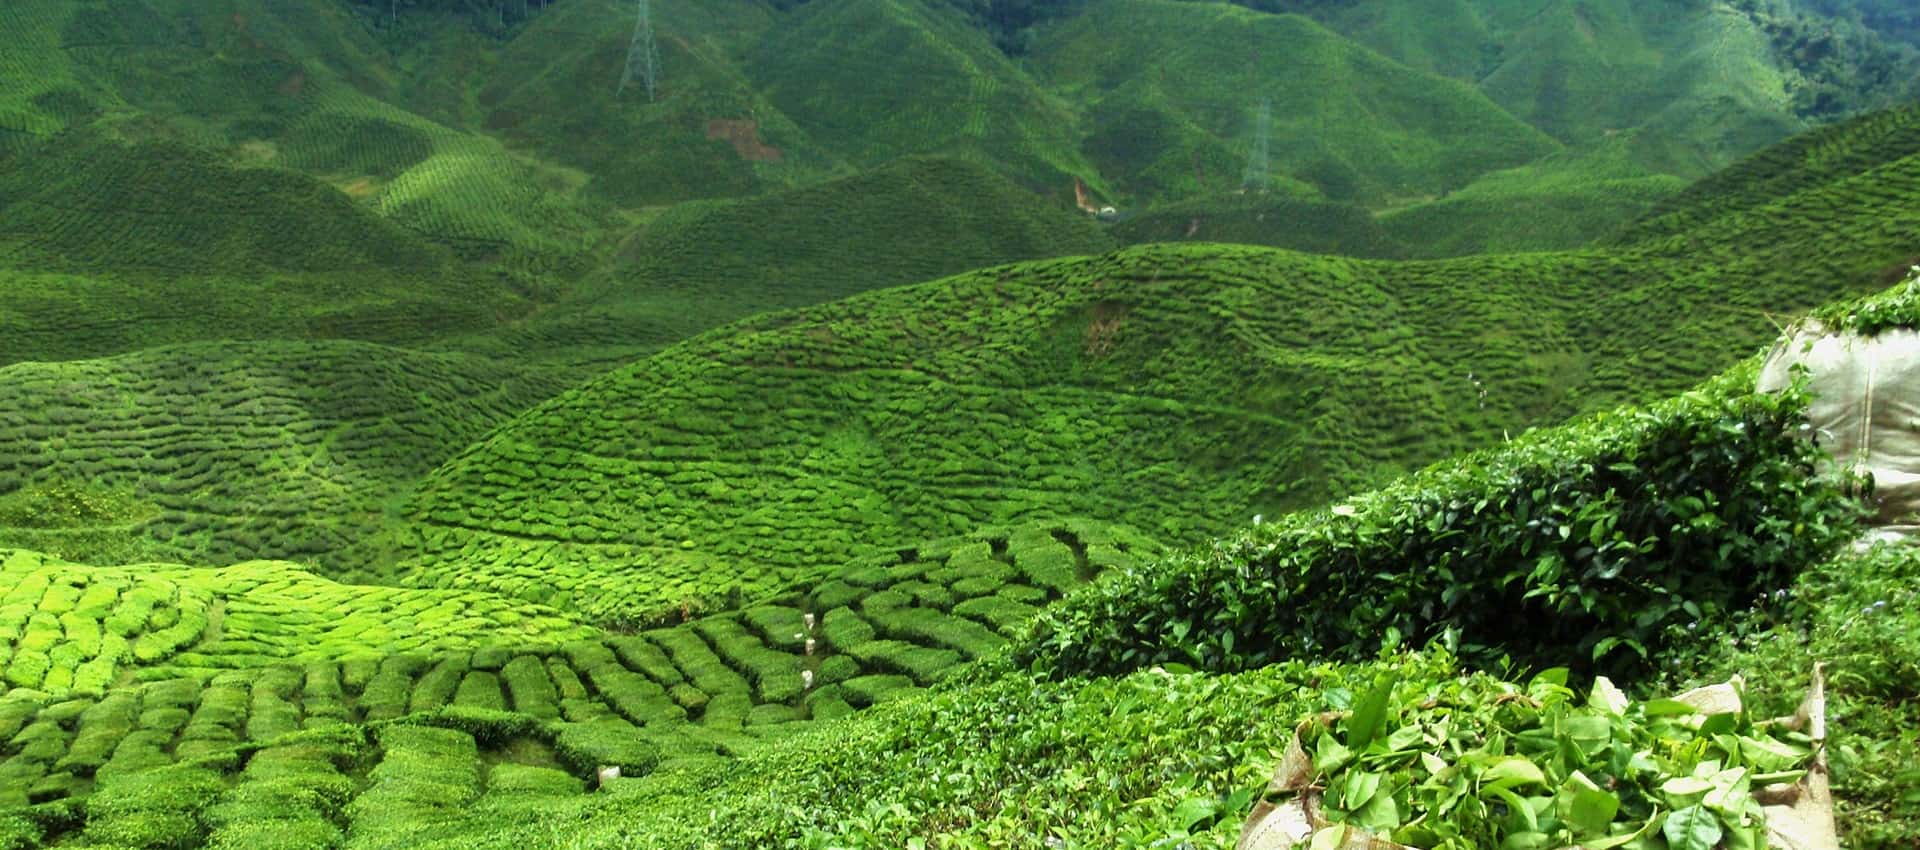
<point x="106" y="247"/>
<point x="699" y="265"/>
<point x="1354" y="124"/>
<point x="1179" y="390"/>
<point x="216" y="453"/>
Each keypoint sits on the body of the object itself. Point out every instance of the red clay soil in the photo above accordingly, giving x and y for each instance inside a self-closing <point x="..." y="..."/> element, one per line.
<point x="745" y="138"/>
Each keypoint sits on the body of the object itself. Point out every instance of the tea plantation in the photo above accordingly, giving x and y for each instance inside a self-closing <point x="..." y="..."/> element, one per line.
<point x="455" y="749"/>
<point x="206" y="673"/>
<point x="743" y="423"/>
<point x="739" y="460"/>
<point x="221" y="452"/>
<point x="76" y="629"/>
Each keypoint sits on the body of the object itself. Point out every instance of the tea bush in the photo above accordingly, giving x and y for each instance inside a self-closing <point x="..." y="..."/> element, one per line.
<point x="1587" y="542"/>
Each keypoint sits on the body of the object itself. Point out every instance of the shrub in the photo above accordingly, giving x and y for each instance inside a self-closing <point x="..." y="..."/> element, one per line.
<point x="1005" y="615"/>
<point x="1585" y="539"/>
<point x="528" y="780"/>
<point x="641" y="655"/>
<point x="436" y="687"/>
<point x="531" y="689"/>
<point x="868" y="690"/>
<point x="843" y="629"/>
<point x="158" y="809"/>
<point x="586" y="747"/>
<point x="480" y="689"/>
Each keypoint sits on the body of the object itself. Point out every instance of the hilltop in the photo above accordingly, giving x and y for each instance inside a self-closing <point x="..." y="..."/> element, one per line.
<point x="485" y="170"/>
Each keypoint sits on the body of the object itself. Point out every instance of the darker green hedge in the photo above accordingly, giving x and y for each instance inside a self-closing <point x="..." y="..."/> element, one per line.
<point x="1590" y="541"/>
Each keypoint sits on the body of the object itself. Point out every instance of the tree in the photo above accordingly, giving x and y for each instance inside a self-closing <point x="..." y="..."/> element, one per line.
<point x="643" y="56"/>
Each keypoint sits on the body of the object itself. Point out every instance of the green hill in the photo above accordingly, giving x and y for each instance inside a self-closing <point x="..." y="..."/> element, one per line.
<point x="696" y="266"/>
<point x="1172" y="91"/>
<point x="1564" y="201"/>
<point x="1298" y="224"/>
<point x="1175" y="389"/>
<point x="107" y="247"/>
<point x="1155" y="756"/>
<point x="780" y="434"/>
<point x="554" y="88"/>
<point x="1851" y="152"/>
<point x="873" y="80"/>
<point x="1705" y="83"/>
<point x="217" y="453"/>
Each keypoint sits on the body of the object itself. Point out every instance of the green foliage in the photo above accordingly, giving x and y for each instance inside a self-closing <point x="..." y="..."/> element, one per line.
<point x="163" y="621"/>
<point x="220" y="453"/>
<point x="1586" y="542"/>
<point x="1859" y="615"/>
<point x="700" y="265"/>
<point x="1298" y="224"/>
<point x="739" y="461"/>
<point x="1454" y="767"/>
<point x="1350" y="122"/>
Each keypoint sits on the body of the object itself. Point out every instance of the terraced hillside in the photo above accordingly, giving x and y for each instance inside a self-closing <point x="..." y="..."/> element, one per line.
<point x="108" y="247"/>
<point x="1154" y="756"/>
<point x="300" y="85"/>
<point x="696" y="266"/>
<point x="1181" y="390"/>
<point x="224" y="452"/>
<point x="417" y="181"/>
<point x="1353" y="124"/>
<point x="1705" y="76"/>
<point x="283" y="653"/>
<point x="73" y="629"/>
<point x="1560" y="202"/>
<point x="1279" y="221"/>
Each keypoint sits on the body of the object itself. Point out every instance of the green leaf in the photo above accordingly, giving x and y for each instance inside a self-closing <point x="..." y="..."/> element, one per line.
<point x="1668" y="708"/>
<point x="1769" y="755"/>
<point x="1359" y="789"/>
<point x="1692" y="828"/>
<point x="1368" y="716"/>
<point x="1330" y="838"/>
<point x="1527" y="841"/>
<point x="1194" y="810"/>
<point x="1590" y="812"/>
<point x="1590" y="734"/>
<point x="1331" y="757"/>
<point x="1607" y="697"/>
<point x="1518" y="808"/>
<point x="1512" y="772"/>
<point x="1685" y="788"/>
<point x="1381" y="814"/>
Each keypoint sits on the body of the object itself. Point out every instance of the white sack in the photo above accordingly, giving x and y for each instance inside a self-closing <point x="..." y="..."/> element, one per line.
<point x="1865" y="408"/>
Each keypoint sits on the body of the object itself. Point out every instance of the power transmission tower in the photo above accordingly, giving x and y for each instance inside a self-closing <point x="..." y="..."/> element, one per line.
<point x="1256" y="176"/>
<point x="643" y="56"/>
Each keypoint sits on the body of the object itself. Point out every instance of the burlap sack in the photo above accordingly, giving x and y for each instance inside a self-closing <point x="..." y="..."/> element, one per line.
<point x="1865" y="410"/>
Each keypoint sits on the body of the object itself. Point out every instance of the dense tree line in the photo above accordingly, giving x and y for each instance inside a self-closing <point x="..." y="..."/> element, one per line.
<point x="1844" y="52"/>
<point x="1895" y="19"/>
<point x="496" y="17"/>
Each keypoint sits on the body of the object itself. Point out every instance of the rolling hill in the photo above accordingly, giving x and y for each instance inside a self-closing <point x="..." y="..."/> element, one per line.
<point x="222" y="452"/>
<point x="699" y="265"/>
<point x="411" y="438"/>
<point x="1172" y="92"/>
<point x="1176" y="389"/>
